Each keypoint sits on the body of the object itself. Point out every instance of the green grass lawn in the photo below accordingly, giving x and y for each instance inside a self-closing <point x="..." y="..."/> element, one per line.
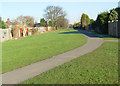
<point x="106" y="37"/>
<point x="97" y="67"/>
<point x="22" y="52"/>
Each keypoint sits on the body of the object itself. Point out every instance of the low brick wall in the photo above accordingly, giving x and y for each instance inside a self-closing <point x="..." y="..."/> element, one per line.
<point x="50" y="28"/>
<point x="44" y="29"/>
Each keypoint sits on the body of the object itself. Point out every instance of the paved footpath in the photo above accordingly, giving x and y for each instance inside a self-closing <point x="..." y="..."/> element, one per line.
<point x="24" y="73"/>
<point x="112" y="40"/>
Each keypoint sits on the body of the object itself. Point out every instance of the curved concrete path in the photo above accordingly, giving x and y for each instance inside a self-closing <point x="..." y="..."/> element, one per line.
<point x="24" y="73"/>
<point x="112" y="40"/>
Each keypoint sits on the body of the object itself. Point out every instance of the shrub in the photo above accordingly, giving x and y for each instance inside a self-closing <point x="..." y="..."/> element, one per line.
<point x="34" y="31"/>
<point x="43" y="23"/>
<point x="76" y="25"/>
<point x="94" y="24"/>
<point x="102" y="22"/>
<point x="85" y="20"/>
<point x="113" y="15"/>
<point x="91" y="21"/>
<point x="2" y="24"/>
<point x="118" y="11"/>
<point x="50" y="23"/>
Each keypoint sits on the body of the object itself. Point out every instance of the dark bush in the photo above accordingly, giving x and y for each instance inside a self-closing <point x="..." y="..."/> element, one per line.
<point x="76" y="25"/>
<point x="102" y="22"/>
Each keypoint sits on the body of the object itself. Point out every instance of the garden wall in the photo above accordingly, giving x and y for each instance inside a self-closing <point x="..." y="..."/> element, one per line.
<point x="5" y="34"/>
<point x="113" y="28"/>
<point x="42" y="29"/>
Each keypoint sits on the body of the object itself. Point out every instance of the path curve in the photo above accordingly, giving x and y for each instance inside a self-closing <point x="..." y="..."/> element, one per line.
<point x="112" y="40"/>
<point x="24" y="73"/>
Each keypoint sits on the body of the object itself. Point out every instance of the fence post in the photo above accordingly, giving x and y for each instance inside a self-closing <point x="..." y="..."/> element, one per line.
<point x="116" y="28"/>
<point x="108" y="27"/>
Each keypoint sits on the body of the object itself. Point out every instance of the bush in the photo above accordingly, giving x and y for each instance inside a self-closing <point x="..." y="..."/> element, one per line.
<point x="113" y="15"/>
<point x="76" y="25"/>
<point x="118" y="11"/>
<point x="85" y="20"/>
<point x="102" y="22"/>
<point x="91" y="21"/>
<point x="2" y="24"/>
<point x="50" y="23"/>
<point x="43" y="23"/>
<point x="34" y="31"/>
<point x="94" y="24"/>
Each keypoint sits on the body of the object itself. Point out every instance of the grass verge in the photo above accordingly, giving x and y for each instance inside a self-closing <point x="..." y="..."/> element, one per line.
<point x="28" y="50"/>
<point x="97" y="67"/>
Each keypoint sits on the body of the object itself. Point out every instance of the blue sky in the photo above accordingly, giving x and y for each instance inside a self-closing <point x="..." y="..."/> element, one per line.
<point x="74" y="10"/>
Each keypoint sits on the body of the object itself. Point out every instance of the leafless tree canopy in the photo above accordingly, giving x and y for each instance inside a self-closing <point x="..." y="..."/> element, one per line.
<point x="14" y="29"/>
<point x="56" y="15"/>
<point x="28" y="20"/>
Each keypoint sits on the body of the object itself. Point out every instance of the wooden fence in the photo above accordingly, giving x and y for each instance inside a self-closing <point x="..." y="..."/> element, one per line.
<point x="113" y="28"/>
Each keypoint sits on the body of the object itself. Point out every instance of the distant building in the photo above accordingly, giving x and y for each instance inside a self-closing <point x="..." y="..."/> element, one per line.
<point x="119" y="4"/>
<point x="37" y="25"/>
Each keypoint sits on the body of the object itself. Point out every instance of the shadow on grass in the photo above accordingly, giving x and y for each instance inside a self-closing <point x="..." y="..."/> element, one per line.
<point x="88" y="33"/>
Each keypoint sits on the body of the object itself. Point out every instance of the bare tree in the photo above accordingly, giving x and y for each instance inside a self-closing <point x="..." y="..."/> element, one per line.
<point x="20" y="20"/>
<point x="14" y="30"/>
<point x="27" y="20"/>
<point x="63" y="22"/>
<point x="55" y="14"/>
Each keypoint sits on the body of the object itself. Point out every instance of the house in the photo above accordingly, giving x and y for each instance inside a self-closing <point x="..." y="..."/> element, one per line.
<point x="20" y="31"/>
